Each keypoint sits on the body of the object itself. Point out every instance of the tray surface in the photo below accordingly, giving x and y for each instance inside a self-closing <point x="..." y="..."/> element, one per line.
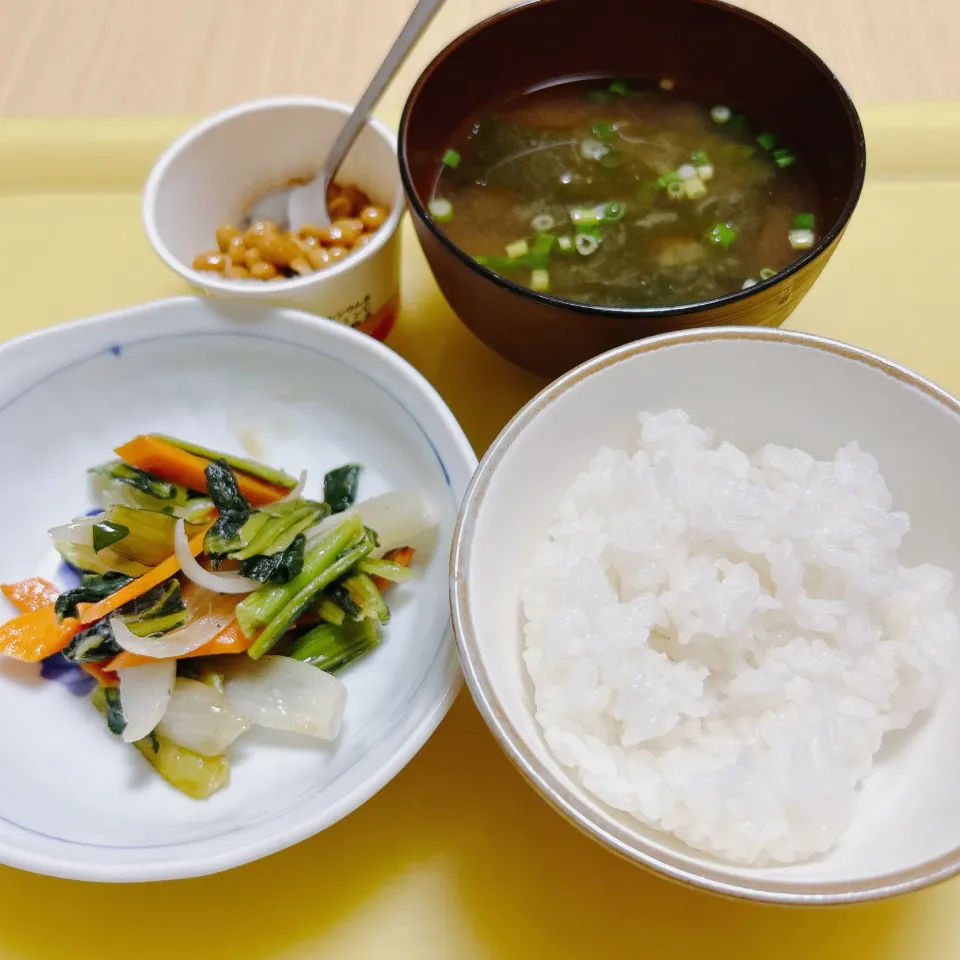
<point x="457" y="857"/>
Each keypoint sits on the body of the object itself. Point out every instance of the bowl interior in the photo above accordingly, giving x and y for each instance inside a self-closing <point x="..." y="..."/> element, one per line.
<point x="707" y="47"/>
<point x="216" y="170"/>
<point x="304" y="395"/>
<point x="751" y="387"/>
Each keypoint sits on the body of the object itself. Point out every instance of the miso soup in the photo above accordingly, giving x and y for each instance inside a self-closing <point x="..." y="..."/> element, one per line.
<point x="624" y="193"/>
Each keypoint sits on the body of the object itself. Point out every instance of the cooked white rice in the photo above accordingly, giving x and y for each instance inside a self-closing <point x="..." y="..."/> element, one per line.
<point x="719" y="642"/>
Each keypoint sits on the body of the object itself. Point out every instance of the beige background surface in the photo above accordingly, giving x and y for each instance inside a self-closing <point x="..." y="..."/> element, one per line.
<point x="189" y="57"/>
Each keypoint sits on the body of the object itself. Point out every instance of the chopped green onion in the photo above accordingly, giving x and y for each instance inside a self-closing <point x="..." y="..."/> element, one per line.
<point x="767" y="272"/>
<point x="518" y="248"/>
<point x="748" y="283"/>
<point x="721" y="234"/>
<point x="598" y="96"/>
<point x="801" y="239"/>
<point x="667" y="84"/>
<point x="586" y="244"/>
<point x="565" y="244"/>
<point x="542" y="222"/>
<point x="676" y="190"/>
<point x="705" y="172"/>
<point x="720" y="114"/>
<point x="441" y="210"/>
<point x="767" y="140"/>
<point x="804" y="221"/>
<point x="694" y="189"/>
<point x="585" y="216"/>
<point x="612" y="212"/>
<point x="590" y="229"/>
<point x="451" y="159"/>
<point x="540" y="281"/>
<point x="539" y="255"/>
<point x="619" y="88"/>
<point x="686" y="171"/>
<point x="699" y="157"/>
<point x="783" y="157"/>
<point x="604" y="130"/>
<point x="665" y="179"/>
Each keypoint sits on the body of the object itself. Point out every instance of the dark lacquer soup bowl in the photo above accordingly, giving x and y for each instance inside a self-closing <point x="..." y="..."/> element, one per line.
<point x="717" y="52"/>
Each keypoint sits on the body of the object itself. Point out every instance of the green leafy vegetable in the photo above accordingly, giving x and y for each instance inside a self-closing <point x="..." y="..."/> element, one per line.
<point x="340" y="487"/>
<point x="149" y="536"/>
<point x="85" y="558"/>
<point x="344" y="600"/>
<point x="386" y="570"/>
<point x="157" y="611"/>
<point x="331" y="647"/>
<point x="279" y="567"/>
<point x="106" y="533"/>
<point x="327" y="609"/>
<point x="93" y="645"/>
<point x="276" y="608"/>
<point x="118" y="483"/>
<point x="364" y="593"/>
<point x="230" y="502"/>
<point x="107" y="701"/>
<point x="93" y="588"/>
<point x="252" y="468"/>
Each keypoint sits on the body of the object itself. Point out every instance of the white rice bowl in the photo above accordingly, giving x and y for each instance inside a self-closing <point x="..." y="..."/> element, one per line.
<point x="719" y="642"/>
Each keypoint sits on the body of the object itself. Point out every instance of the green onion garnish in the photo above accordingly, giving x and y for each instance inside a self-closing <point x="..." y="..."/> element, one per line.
<point x="665" y="179"/>
<point x="604" y="130"/>
<point x="590" y="230"/>
<point x="721" y="234"/>
<point x="694" y="189"/>
<point x="441" y="210"/>
<point x="598" y="96"/>
<point x="585" y="216"/>
<point x="804" y="221"/>
<point x="801" y="239"/>
<point x="587" y="243"/>
<point x="565" y="244"/>
<point x="451" y="159"/>
<point x="539" y="256"/>
<point x="767" y="140"/>
<point x="540" y="281"/>
<point x="699" y="157"/>
<point x="612" y="212"/>
<point x="619" y="88"/>
<point x="518" y="248"/>
<point x="767" y="272"/>
<point x="676" y="189"/>
<point x="542" y="222"/>
<point x="748" y="283"/>
<point x="720" y="114"/>
<point x="783" y="157"/>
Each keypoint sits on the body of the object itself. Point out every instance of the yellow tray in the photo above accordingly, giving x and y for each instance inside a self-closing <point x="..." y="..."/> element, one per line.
<point x="457" y="858"/>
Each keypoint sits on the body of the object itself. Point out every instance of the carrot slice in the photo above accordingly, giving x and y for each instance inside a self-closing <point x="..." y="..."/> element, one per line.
<point x="96" y="670"/>
<point x="162" y="571"/>
<point x="30" y="595"/>
<point x="177" y="466"/>
<point x="402" y="556"/>
<point x="228" y="640"/>
<point x="36" y="635"/>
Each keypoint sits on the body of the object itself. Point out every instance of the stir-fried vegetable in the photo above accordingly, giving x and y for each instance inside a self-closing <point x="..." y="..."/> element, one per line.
<point x="175" y="628"/>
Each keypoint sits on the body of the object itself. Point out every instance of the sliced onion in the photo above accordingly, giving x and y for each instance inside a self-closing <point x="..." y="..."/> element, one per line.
<point x="297" y="491"/>
<point x="399" y="517"/>
<point x="177" y="643"/>
<point x="200" y="719"/>
<point x="286" y="694"/>
<point x="79" y="530"/>
<point x="144" y="694"/>
<point x="217" y="582"/>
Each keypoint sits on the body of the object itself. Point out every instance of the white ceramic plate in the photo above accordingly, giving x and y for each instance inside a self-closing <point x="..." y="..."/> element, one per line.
<point x="77" y="802"/>
<point x="751" y="386"/>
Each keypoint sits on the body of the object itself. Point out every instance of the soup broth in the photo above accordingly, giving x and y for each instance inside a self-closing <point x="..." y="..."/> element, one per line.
<point x="624" y="193"/>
